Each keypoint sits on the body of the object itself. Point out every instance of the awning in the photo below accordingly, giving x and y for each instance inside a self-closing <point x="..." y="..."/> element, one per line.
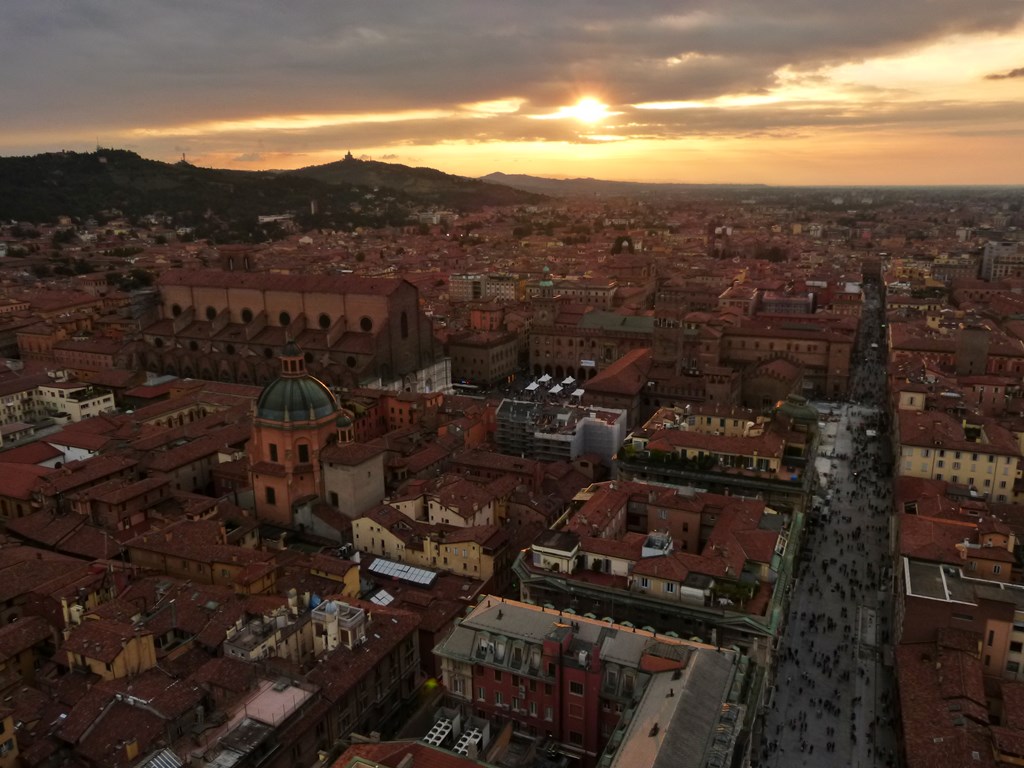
<point x="556" y="389"/>
<point x="532" y="387"/>
<point x="568" y="380"/>
<point x="577" y="393"/>
<point x="545" y="378"/>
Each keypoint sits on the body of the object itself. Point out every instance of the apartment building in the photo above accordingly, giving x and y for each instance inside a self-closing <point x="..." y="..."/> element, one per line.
<point x="770" y="457"/>
<point x="559" y="432"/>
<point x="480" y="552"/>
<point x="483" y="358"/>
<point x="1001" y="259"/>
<point x="977" y="452"/>
<point x="500" y="287"/>
<point x="580" y="684"/>
<point x="76" y="401"/>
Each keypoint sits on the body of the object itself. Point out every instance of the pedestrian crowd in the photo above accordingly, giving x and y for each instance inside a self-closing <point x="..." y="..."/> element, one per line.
<point x="828" y="693"/>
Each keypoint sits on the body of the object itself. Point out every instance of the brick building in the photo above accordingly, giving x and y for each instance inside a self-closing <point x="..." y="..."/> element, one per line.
<point x="576" y="682"/>
<point x="230" y="326"/>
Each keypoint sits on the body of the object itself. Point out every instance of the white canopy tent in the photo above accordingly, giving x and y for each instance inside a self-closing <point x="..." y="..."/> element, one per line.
<point x="555" y="389"/>
<point x="568" y="380"/>
<point x="532" y="387"/>
<point x="577" y="393"/>
<point x="545" y="378"/>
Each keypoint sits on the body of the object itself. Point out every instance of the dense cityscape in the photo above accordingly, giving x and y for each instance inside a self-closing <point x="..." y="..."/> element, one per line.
<point x="691" y="477"/>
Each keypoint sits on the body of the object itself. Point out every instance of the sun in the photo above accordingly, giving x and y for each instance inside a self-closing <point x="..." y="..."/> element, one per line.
<point x="588" y="110"/>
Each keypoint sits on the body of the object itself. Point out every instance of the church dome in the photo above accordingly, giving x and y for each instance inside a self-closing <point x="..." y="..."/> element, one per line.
<point x="295" y="395"/>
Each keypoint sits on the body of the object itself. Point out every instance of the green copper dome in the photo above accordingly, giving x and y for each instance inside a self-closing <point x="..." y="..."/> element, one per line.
<point x="298" y="399"/>
<point x="295" y="395"/>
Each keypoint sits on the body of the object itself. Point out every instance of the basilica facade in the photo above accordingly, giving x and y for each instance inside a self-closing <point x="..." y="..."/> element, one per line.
<point x="232" y="325"/>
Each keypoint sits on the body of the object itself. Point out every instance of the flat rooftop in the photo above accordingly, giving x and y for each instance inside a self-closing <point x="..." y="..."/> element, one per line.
<point x="947" y="583"/>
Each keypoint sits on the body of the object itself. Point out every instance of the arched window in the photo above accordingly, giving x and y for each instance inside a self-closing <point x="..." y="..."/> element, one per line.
<point x="284" y="319"/>
<point x="175" y="310"/>
<point x="246" y="315"/>
<point x="404" y="324"/>
<point x="211" y="312"/>
<point x="324" y="321"/>
<point x="366" y="324"/>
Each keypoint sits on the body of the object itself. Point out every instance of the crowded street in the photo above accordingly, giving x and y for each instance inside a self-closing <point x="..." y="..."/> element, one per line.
<point x="832" y="702"/>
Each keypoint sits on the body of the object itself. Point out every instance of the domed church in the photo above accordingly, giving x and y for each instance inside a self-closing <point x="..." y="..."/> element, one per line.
<point x="296" y="417"/>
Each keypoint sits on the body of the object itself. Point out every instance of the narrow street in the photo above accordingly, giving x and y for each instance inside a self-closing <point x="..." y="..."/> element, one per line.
<point x="834" y="695"/>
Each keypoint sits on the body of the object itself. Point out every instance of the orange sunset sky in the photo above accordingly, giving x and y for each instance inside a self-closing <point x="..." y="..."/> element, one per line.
<point x="781" y="92"/>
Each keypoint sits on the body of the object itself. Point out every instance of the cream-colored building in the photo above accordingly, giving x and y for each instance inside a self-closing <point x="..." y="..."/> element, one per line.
<point x="77" y="400"/>
<point x="975" y="452"/>
<point x="477" y="552"/>
<point x="110" y="649"/>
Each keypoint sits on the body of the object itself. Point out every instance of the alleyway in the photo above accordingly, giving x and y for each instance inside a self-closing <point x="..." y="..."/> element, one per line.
<point x="833" y="697"/>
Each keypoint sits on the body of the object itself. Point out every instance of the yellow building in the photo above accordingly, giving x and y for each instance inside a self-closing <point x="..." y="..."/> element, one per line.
<point x="110" y="649"/>
<point x="478" y="552"/>
<point x="978" y="453"/>
<point x="8" y="740"/>
<point x="197" y="550"/>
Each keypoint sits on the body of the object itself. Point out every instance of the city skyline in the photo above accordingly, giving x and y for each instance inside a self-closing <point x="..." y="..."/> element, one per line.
<point x="791" y="93"/>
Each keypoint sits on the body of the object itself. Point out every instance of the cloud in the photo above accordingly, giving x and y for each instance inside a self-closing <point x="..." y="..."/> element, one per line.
<point x="1018" y="72"/>
<point x="385" y="77"/>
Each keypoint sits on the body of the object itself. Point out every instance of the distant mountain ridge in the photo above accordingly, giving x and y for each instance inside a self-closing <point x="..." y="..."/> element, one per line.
<point x="41" y="188"/>
<point x="424" y="184"/>
<point x="587" y="187"/>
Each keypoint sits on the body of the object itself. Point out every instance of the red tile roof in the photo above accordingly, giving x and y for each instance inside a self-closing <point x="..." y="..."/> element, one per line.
<point x="274" y="281"/>
<point x="342" y="669"/>
<point x="942" y="699"/>
<point x="100" y="639"/>
<point x="31" y="453"/>
<point x="18" y="481"/>
<point x="22" y="635"/>
<point x="626" y="376"/>
<point x="923" y="538"/>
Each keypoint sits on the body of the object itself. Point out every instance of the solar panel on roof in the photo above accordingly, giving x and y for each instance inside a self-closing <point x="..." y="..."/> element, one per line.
<point x="403" y="572"/>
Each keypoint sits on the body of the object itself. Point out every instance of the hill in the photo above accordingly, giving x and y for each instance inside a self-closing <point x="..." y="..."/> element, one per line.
<point x="422" y="184"/>
<point x="601" y="188"/>
<point x="348" y="193"/>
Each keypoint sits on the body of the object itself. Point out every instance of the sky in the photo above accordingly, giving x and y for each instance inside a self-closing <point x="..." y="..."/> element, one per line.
<point x="734" y="91"/>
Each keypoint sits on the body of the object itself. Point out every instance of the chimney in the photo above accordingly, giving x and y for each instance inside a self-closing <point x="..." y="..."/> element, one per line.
<point x="131" y="748"/>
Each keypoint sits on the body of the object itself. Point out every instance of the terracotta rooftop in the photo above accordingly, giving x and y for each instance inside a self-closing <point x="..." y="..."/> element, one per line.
<point x="273" y="281"/>
<point x="100" y="639"/>
<point x="945" y="716"/>
<point x="18" y="481"/>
